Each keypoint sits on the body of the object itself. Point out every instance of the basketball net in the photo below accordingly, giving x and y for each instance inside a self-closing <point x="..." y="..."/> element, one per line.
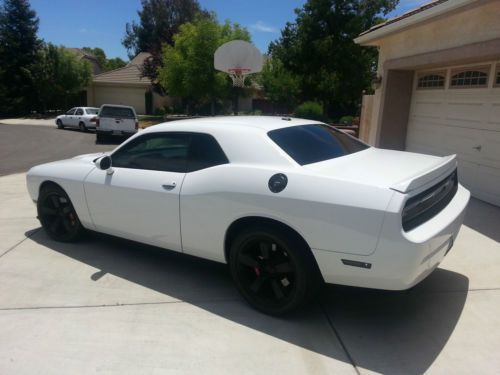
<point x="238" y="76"/>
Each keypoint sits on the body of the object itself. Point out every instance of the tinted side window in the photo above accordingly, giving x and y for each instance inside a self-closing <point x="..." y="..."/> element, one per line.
<point x="204" y="152"/>
<point x="308" y="144"/>
<point x="79" y="112"/>
<point x="157" y="152"/>
<point x="71" y="111"/>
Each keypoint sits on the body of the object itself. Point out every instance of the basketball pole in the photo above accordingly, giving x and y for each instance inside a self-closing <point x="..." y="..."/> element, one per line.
<point x="236" y="100"/>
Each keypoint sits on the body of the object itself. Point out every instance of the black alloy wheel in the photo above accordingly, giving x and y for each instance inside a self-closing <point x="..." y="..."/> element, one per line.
<point x="59" y="124"/>
<point x="272" y="270"/>
<point x="58" y="216"/>
<point x="82" y="127"/>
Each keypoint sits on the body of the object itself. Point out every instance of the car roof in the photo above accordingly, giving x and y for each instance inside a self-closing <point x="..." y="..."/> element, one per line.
<point x="222" y="123"/>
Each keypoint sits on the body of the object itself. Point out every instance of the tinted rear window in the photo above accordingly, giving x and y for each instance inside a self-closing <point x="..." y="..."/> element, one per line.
<point x="308" y="144"/>
<point x="117" y="112"/>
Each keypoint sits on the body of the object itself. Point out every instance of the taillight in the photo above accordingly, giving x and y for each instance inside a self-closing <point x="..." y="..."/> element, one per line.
<point x="136" y="124"/>
<point x="97" y="122"/>
<point x="93" y="119"/>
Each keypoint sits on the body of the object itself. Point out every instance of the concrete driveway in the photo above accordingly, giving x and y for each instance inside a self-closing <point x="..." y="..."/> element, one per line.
<point x="113" y="306"/>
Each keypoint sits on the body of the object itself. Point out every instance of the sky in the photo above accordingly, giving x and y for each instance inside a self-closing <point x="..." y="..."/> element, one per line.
<point x="101" y="23"/>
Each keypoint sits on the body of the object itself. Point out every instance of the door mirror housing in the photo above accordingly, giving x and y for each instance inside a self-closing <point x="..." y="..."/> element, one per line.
<point x="104" y="164"/>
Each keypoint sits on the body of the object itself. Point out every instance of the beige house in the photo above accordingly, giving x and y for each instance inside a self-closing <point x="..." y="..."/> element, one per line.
<point x="125" y="86"/>
<point x="438" y="87"/>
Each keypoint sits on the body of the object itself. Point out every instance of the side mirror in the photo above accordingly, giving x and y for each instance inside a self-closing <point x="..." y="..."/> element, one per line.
<point x="104" y="164"/>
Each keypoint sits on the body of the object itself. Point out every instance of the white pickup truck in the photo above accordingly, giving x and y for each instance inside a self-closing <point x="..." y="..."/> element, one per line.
<point x="116" y="120"/>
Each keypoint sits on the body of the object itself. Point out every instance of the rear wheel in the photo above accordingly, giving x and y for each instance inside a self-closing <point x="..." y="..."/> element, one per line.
<point x="99" y="138"/>
<point x="57" y="215"/>
<point x="274" y="271"/>
<point x="82" y="127"/>
<point x="59" y="124"/>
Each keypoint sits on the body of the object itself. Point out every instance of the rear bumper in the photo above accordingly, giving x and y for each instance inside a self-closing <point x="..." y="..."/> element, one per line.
<point x="118" y="133"/>
<point x="401" y="259"/>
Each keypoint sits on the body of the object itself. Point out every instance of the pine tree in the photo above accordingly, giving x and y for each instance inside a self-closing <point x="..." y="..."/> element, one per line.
<point x="19" y="45"/>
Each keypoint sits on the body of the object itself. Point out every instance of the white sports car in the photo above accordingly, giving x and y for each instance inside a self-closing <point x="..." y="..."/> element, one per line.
<point x="287" y="203"/>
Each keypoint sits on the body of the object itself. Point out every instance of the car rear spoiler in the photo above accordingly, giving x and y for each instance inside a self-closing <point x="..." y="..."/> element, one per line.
<point x="443" y="167"/>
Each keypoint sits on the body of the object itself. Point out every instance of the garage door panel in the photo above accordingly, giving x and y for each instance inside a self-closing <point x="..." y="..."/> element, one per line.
<point x="441" y="140"/>
<point x="490" y="146"/>
<point x="468" y="114"/>
<point x="467" y="173"/>
<point x="121" y="95"/>
<point x="486" y="187"/>
<point x="427" y="110"/>
<point x="465" y="122"/>
<point x="494" y="117"/>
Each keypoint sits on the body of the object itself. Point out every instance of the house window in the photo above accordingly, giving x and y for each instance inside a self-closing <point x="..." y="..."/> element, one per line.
<point x="470" y="78"/>
<point x="431" y="80"/>
<point x="497" y="76"/>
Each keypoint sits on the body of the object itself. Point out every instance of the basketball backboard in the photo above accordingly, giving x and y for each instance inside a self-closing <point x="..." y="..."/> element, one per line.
<point x="238" y="58"/>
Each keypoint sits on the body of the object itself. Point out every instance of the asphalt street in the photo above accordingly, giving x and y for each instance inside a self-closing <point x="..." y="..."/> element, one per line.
<point x="26" y="146"/>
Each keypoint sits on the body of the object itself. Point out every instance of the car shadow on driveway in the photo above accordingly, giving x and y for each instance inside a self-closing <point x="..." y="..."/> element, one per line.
<point x="385" y="332"/>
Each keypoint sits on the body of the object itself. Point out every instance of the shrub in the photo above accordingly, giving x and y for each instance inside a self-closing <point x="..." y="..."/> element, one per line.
<point x="310" y="111"/>
<point x="346" y="120"/>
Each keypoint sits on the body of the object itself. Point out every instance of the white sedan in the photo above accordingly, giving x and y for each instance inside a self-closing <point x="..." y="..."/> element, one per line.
<point x="83" y="118"/>
<point x="287" y="203"/>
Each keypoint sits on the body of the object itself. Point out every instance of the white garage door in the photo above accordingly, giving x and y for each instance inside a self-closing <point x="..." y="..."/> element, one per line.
<point x="457" y="111"/>
<point x="119" y="95"/>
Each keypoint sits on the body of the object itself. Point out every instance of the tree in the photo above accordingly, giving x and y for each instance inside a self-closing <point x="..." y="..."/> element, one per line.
<point x="188" y="67"/>
<point x="159" y="21"/>
<point x="280" y="85"/>
<point x="18" y="51"/>
<point x="59" y="74"/>
<point x="105" y="63"/>
<point x="318" y="49"/>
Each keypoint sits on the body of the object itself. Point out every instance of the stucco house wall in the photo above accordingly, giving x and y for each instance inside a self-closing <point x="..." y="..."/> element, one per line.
<point x="473" y="23"/>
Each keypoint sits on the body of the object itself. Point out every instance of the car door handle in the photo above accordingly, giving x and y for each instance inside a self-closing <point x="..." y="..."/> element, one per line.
<point x="169" y="186"/>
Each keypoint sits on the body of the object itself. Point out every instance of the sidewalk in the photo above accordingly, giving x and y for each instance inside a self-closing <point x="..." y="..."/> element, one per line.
<point x="29" y="121"/>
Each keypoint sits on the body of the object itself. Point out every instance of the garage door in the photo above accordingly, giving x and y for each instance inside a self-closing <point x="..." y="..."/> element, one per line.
<point x="119" y="95"/>
<point x="457" y="111"/>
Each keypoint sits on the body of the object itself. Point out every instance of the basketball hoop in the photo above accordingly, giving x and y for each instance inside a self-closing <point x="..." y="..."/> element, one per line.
<point x="231" y="56"/>
<point x="238" y="76"/>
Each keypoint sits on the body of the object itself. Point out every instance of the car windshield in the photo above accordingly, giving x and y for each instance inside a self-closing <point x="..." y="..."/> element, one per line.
<point x="117" y="112"/>
<point x="308" y="144"/>
<point x="92" y="111"/>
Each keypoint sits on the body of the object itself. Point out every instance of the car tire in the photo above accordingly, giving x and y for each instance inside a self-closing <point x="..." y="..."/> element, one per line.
<point x="58" y="216"/>
<point x="273" y="269"/>
<point x="99" y="138"/>
<point x="82" y="127"/>
<point x="59" y="124"/>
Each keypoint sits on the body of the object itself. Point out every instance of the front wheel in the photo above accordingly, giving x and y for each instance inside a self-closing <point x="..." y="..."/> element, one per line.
<point x="273" y="270"/>
<point x="59" y="124"/>
<point x="58" y="216"/>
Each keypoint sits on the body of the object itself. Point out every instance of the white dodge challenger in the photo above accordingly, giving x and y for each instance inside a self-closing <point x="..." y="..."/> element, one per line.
<point x="287" y="203"/>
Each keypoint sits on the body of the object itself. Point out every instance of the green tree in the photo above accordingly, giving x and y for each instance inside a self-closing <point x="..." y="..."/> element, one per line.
<point x="105" y="63"/>
<point x="188" y="69"/>
<point x="59" y="74"/>
<point x="115" y="63"/>
<point x="318" y="48"/>
<point x="18" y="51"/>
<point x="159" y="21"/>
<point x="280" y="85"/>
